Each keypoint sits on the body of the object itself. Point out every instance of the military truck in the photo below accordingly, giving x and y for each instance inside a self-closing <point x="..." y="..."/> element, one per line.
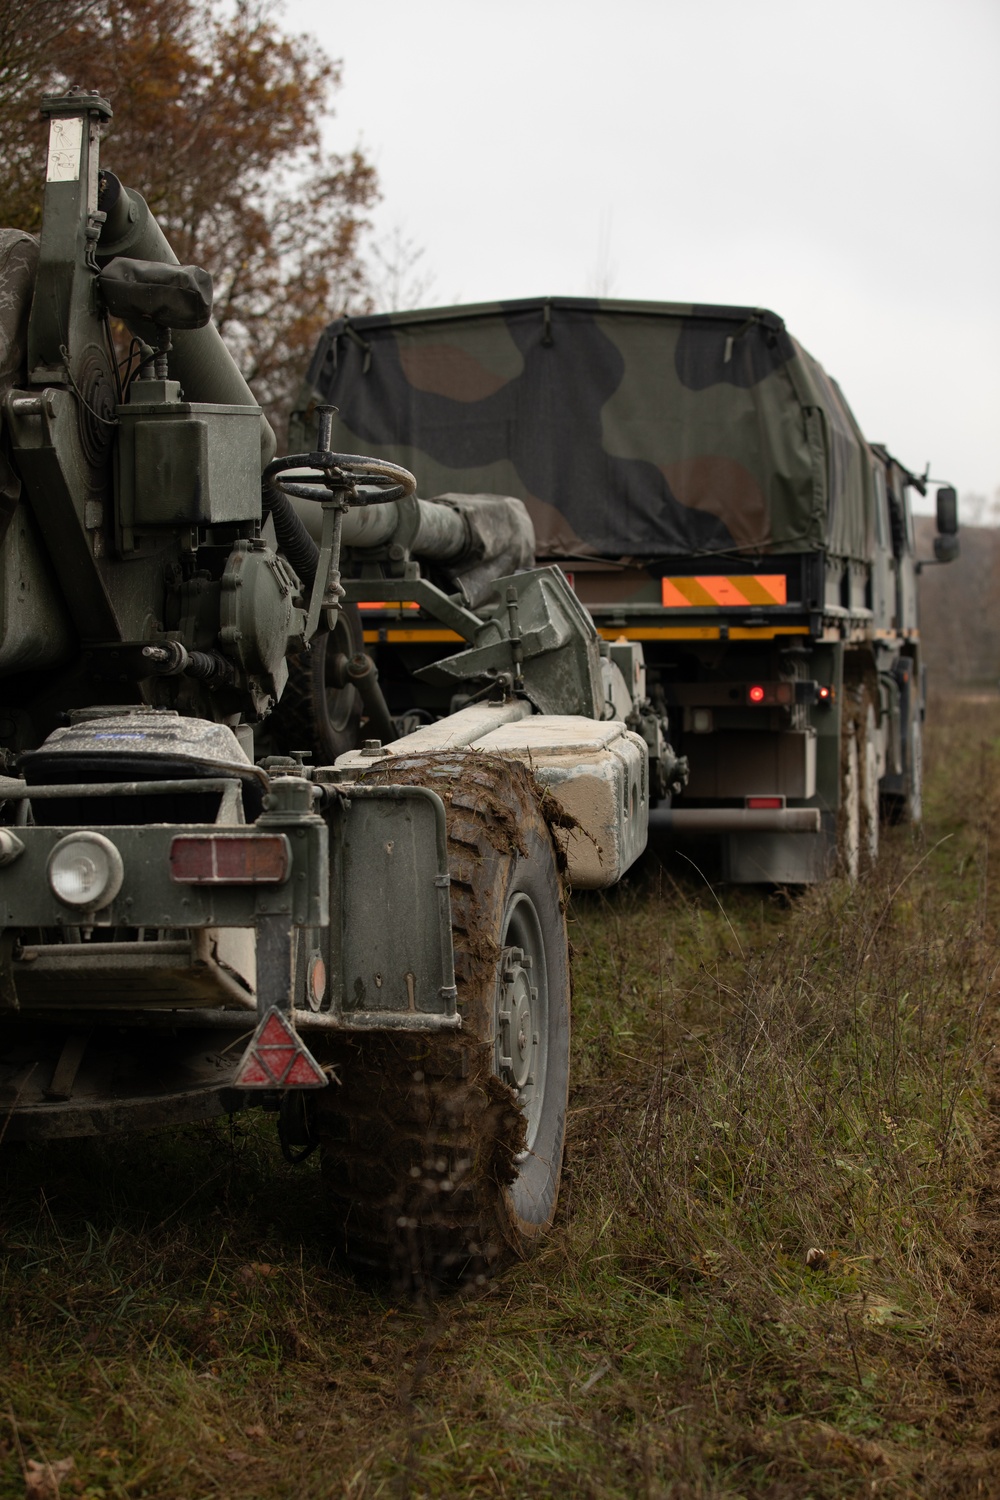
<point x="232" y="871"/>
<point x="708" y="492"/>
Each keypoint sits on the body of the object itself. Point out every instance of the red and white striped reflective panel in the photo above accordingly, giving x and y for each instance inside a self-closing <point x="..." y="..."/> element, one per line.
<point x="714" y="590"/>
<point x="277" y="1058"/>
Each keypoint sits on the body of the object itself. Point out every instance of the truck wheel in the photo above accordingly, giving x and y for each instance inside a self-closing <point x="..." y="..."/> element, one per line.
<point x="908" y="807"/>
<point x="913" y="811"/>
<point x="868" y="766"/>
<point x="442" y="1152"/>
<point x="314" y="714"/>
<point x="849" y="843"/>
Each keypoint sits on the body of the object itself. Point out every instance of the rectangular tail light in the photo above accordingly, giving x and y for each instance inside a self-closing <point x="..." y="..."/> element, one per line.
<point x="230" y="859"/>
<point x="761" y="803"/>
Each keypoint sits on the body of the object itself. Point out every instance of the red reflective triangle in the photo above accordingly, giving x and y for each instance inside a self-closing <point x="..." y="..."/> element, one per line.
<point x="278" y="1058"/>
<point x="250" y="1074"/>
<point x="276" y="1032"/>
<point x="305" y="1072"/>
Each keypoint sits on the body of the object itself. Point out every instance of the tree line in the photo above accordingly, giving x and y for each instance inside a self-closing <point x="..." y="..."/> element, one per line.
<point x="218" y="122"/>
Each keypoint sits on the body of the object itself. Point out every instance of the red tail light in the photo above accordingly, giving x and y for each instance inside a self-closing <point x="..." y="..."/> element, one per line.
<point x="756" y="693"/>
<point x="762" y="802"/>
<point x="230" y="859"/>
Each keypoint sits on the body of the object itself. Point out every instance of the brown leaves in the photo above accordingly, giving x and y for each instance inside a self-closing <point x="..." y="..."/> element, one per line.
<point x="217" y="123"/>
<point x="257" y="1270"/>
<point x="42" y="1480"/>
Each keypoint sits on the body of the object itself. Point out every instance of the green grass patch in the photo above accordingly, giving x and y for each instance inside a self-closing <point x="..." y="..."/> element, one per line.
<point x="770" y="1275"/>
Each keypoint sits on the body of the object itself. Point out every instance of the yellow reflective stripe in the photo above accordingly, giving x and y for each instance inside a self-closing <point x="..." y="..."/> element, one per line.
<point x="372" y="637"/>
<point x="660" y="633"/>
<point x="612" y="633"/>
<point x="697" y="632"/>
<point x="764" y="632"/>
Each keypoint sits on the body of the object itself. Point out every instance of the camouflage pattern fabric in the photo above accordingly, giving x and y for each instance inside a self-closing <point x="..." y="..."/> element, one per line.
<point x="629" y="429"/>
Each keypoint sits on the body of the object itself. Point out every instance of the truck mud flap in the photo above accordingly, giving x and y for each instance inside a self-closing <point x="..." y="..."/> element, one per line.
<point x="780" y="858"/>
<point x="390" y="934"/>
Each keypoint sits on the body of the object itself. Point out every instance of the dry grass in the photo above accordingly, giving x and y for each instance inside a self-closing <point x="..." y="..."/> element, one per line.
<point x="756" y="1081"/>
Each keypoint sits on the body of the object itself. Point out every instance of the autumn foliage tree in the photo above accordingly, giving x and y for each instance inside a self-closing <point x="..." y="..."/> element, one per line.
<point x="218" y="118"/>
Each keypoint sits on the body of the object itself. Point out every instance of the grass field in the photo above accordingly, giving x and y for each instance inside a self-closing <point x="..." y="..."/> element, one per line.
<point x="774" y="1271"/>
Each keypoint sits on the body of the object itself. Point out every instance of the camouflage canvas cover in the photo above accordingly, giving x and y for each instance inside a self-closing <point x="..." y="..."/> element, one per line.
<point x="629" y="429"/>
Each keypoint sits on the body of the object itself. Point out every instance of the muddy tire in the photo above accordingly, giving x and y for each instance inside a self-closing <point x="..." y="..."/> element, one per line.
<point x="913" y="803"/>
<point x="868" y="766"/>
<point x="314" y="714"/>
<point x="909" y="807"/>
<point x="849" y="821"/>
<point x="442" y="1153"/>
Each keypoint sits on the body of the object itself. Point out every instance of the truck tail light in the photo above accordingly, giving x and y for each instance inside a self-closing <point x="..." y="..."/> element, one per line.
<point x="230" y="859"/>
<point x="756" y="693"/>
<point x="765" y="802"/>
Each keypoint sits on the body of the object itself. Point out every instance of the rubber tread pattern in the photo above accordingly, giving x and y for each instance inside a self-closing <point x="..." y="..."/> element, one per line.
<point x="419" y="1141"/>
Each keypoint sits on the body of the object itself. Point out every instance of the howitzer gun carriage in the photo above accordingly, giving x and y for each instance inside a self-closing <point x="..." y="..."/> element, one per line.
<point x="236" y="868"/>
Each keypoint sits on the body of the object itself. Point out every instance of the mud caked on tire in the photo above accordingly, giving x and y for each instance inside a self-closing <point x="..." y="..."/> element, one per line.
<point x="442" y="1152"/>
<point x="868" y="768"/>
<point x="908" y="806"/>
<point x="849" y="818"/>
<point x="858" y="822"/>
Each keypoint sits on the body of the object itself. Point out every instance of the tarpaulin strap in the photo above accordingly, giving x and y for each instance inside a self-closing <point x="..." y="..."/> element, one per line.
<point x="356" y="338"/>
<point x="547" y="338"/>
<point x="731" y="340"/>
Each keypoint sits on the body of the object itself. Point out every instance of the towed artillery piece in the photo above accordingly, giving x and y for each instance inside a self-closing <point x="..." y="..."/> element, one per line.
<point x="193" y="917"/>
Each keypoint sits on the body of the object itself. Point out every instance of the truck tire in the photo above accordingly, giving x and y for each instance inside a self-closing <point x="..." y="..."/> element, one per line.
<point x="913" y="802"/>
<point x="849" y="822"/>
<point x="868" y="759"/>
<point x="908" y="806"/>
<point x="314" y="714"/>
<point x="442" y="1152"/>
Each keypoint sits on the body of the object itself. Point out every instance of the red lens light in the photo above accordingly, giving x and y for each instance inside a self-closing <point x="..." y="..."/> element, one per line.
<point x="765" y="802"/>
<point x="756" y="694"/>
<point x="824" y="693"/>
<point x="230" y="859"/>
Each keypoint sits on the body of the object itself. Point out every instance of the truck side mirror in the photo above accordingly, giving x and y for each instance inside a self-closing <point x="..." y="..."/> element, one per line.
<point x="947" y="512"/>
<point x="946" y="547"/>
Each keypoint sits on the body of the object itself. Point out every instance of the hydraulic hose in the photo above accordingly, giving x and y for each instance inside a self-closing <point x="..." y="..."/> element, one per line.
<point x="293" y="538"/>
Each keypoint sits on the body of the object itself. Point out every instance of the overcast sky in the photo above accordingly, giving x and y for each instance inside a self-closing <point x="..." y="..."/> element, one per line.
<point x="836" y="162"/>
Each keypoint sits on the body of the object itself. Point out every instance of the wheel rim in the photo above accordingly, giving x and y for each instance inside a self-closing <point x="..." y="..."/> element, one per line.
<point x="522" y="1019"/>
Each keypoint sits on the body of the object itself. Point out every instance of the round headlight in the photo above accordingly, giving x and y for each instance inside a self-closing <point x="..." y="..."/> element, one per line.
<point x="85" y="871"/>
